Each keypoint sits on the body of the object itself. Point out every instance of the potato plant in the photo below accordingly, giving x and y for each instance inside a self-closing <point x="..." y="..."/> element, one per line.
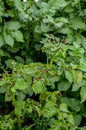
<point x="42" y="65"/>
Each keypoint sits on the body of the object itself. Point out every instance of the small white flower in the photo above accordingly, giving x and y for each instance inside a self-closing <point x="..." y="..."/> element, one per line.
<point x="24" y="0"/>
<point x="36" y="0"/>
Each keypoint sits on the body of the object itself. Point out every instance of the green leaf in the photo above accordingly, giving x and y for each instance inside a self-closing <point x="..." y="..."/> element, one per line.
<point x="1" y="53"/>
<point x="45" y="28"/>
<point x="69" y="76"/>
<point x="66" y="30"/>
<point x="49" y="110"/>
<point x="72" y="103"/>
<point x="13" y="50"/>
<point x="77" y="23"/>
<point x="17" y="35"/>
<point x="19" y="59"/>
<point x="82" y="66"/>
<point x="20" y="95"/>
<point x="3" y="89"/>
<point x="69" y="8"/>
<point x="63" y="85"/>
<point x="83" y="94"/>
<point x="28" y="91"/>
<point x="75" y="87"/>
<point x="56" y="125"/>
<point x="56" y="4"/>
<point x="62" y="19"/>
<point x="71" y="119"/>
<point x="20" y="84"/>
<point x="83" y="128"/>
<point x="83" y="40"/>
<point x="13" y="25"/>
<point x="79" y="77"/>
<point x="19" y="108"/>
<point x="77" y="119"/>
<point x="63" y="107"/>
<point x="38" y="87"/>
<point x="38" y="47"/>
<point x="1" y="41"/>
<point x="8" y="96"/>
<point x="9" y="63"/>
<point x="18" y="4"/>
<point x="8" y="39"/>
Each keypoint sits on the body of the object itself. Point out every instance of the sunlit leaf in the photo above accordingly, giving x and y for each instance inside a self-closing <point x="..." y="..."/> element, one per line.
<point x="49" y="110"/>
<point x="9" y="40"/>
<point x="13" y="25"/>
<point x="17" y="35"/>
<point x="38" y="87"/>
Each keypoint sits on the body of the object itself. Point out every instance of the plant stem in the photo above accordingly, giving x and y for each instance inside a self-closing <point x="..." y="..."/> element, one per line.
<point x="19" y="121"/>
<point x="79" y="6"/>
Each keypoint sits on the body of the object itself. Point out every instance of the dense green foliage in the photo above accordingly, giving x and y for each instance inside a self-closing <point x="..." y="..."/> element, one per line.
<point x="43" y="65"/>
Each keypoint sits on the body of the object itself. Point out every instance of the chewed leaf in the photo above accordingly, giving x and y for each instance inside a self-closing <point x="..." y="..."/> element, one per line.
<point x="38" y="87"/>
<point x="20" y="84"/>
<point x="49" y="110"/>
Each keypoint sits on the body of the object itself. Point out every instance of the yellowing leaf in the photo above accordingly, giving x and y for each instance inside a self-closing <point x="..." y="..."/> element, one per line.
<point x="79" y="76"/>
